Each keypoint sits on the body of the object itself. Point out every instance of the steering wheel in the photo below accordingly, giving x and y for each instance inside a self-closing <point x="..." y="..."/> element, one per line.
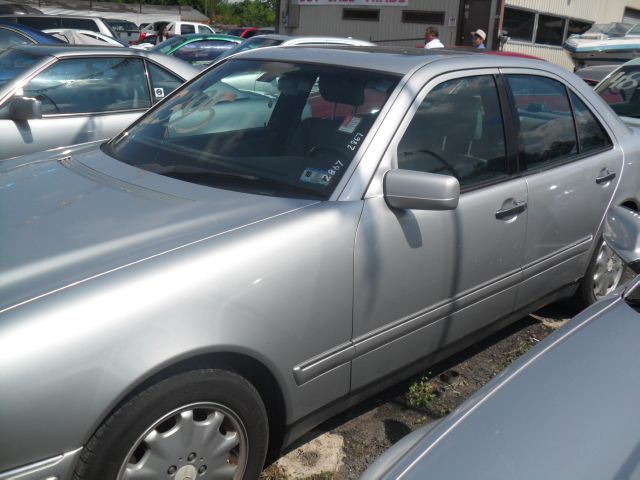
<point x="446" y="165"/>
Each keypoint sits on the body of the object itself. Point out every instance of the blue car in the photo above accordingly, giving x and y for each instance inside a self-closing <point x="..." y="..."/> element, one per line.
<point x="15" y="34"/>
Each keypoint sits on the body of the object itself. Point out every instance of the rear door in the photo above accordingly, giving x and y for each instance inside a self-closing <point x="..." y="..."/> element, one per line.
<point x="571" y="168"/>
<point x="83" y="99"/>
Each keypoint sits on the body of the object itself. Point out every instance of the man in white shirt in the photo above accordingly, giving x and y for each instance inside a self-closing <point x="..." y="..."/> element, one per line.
<point x="431" y="39"/>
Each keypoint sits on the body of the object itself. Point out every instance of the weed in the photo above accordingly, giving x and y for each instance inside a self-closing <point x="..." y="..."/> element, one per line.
<point x="421" y="393"/>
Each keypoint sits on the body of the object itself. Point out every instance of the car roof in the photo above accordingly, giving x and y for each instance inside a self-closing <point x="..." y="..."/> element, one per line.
<point x="396" y="60"/>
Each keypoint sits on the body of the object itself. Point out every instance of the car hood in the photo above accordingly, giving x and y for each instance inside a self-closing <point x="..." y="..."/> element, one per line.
<point x="66" y="216"/>
<point x="566" y="409"/>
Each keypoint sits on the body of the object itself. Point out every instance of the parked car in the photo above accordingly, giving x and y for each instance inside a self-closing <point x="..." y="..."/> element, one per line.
<point x="14" y="34"/>
<point x="45" y="22"/>
<point x="150" y="29"/>
<point x="566" y="409"/>
<point x="198" y="49"/>
<point x="595" y="73"/>
<point x="126" y="31"/>
<point x="54" y="96"/>
<point x="621" y="90"/>
<point x="244" y="32"/>
<point x="232" y="268"/>
<point x="185" y="28"/>
<point x="261" y="41"/>
<point x="85" y="37"/>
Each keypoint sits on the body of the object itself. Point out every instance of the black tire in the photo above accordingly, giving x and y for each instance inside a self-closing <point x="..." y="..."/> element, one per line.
<point x="199" y="396"/>
<point x="585" y="295"/>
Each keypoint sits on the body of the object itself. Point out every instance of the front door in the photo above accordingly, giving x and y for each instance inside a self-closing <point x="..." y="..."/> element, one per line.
<point x="424" y="279"/>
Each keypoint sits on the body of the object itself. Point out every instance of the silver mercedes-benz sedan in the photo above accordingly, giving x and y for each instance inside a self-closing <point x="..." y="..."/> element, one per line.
<point x="54" y="96"/>
<point x="290" y="231"/>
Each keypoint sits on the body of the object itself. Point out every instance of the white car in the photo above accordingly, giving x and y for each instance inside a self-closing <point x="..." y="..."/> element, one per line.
<point x="182" y="28"/>
<point x="84" y="37"/>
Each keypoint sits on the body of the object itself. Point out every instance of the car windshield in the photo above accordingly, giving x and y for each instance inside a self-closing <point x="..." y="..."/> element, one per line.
<point x="621" y="90"/>
<point x="13" y="62"/>
<point x="164" y="47"/>
<point x="269" y="128"/>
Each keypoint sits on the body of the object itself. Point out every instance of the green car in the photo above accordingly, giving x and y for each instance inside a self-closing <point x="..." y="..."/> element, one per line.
<point x="199" y="49"/>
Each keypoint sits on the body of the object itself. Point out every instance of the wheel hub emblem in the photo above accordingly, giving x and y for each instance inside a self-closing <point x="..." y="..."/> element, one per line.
<point x="188" y="472"/>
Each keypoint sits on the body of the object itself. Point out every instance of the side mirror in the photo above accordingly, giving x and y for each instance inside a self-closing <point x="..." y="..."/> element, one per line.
<point x="25" y="108"/>
<point x="622" y="234"/>
<point x="408" y="189"/>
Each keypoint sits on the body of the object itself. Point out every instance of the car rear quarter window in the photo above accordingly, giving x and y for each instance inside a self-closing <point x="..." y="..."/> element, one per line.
<point x="457" y="130"/>
<point x="162" y="82"/>
<point x="91" y="85"/>
<point x="547" y="131"/>
<point x="203" y="29"/>
<point x="591" y="135"/>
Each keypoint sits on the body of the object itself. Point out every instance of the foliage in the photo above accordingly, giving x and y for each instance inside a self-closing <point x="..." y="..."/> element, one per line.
<point x="246" y="12"/>
<point x="420" y="393"/>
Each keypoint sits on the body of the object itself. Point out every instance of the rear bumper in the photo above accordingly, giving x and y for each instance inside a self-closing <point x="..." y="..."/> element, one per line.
<point x="59" y="467"/>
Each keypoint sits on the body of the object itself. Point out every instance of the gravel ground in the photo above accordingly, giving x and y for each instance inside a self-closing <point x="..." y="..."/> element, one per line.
<point x="343" y="447"/>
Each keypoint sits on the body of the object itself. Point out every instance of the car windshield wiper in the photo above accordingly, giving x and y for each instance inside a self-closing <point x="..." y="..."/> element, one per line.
<point x="222" y="178"/>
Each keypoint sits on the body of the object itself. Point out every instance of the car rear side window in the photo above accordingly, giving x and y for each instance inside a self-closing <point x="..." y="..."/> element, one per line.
<point x="457" y="130"/>
<point x="547" y="130"/>
<point x="91" y="85"/>
<point x="591" y="135"/>
<point x="203" y="29"/>
<point x="80" y="24"/>
<point x="40" y="23"/>
<point x="185" y="29"/>
<point x="162" y="82"/>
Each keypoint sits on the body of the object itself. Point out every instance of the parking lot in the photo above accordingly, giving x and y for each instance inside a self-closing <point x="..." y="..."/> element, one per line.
<point x="343" y="447"/>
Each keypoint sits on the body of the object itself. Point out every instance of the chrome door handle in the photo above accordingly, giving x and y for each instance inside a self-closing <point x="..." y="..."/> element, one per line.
<point x="518" y="207"/>
<point x="605" y="178"/>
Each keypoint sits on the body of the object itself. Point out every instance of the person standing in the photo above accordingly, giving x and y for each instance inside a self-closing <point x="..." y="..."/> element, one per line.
<point x="431" y="39"/>
<point x="477" y="39"/>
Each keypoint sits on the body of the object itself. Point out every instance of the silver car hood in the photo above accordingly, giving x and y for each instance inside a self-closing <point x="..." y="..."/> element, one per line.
<point x="66" y="216"/>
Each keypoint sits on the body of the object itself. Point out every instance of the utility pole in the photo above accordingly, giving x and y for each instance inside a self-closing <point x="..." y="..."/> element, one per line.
<point x="212" y="10"/>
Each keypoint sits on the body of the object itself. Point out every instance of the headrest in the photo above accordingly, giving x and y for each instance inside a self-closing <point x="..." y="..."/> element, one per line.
<point x="348" y="91"/>
<point x="294" y="85"/>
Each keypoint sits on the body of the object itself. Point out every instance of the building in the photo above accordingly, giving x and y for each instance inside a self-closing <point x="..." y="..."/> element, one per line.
<point x="535" y="27"/>
<point x="134" y="12"/>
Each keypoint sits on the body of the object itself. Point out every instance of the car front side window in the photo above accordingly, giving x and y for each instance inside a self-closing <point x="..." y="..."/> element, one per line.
<point x="91" y="85"/>
<point x="457" y="130"/>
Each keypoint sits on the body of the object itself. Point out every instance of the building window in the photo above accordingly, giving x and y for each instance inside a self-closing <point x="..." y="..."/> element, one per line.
<point x="372" y="15"/>
<point x="420" y="16"/>
<point x="550" y="30"/>
<point x="541" y="28"/>
<point x="519" y="24"/>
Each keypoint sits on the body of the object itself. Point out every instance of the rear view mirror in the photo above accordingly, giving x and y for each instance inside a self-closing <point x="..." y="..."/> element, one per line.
<point x="622" y="234"/>
<point x="25" y="108"/>
<point x="408" y="189"/>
